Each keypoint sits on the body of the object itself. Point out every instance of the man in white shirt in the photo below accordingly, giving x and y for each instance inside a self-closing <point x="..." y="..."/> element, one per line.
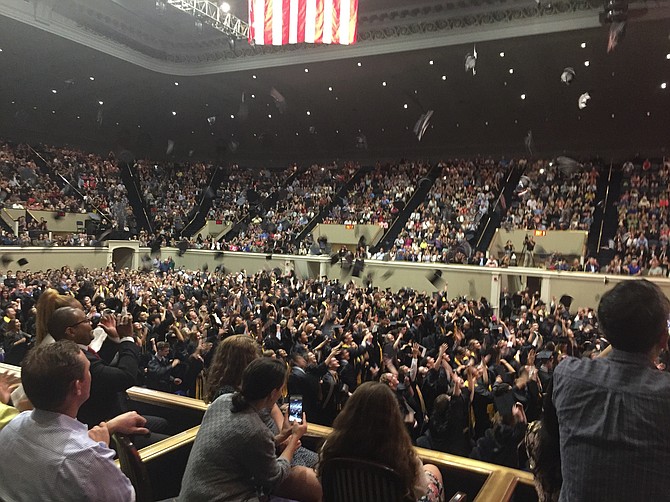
<point x="47" y="454"/>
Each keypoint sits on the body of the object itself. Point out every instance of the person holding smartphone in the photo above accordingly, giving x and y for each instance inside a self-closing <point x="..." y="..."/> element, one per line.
<point x="234" y="454"/>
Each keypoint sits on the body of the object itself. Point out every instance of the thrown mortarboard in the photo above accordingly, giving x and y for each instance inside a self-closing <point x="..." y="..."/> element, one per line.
<point x="146" y="263"/>
<point x="528" y="141"/>
<point x="435" y="278"/>
<point x="583" y="100"/>
<point x="358" y="267"/>
<point x="334" y="258"/>
<point x="268" y="257"/>
<point x="544" y="355"/>
<point x="6" y="260"/>
<point x="422" y="125"/>
<point x="218" y="255"/>
<point x="280" y="100"/>
<point x="617" y="32"/>
<point x="568" y="75"/>
<point x="205" y="267"/>
<point x="182" y="247"/>
<point x="471" y="61"/>
<point x="170" y="147"/>
<point x="387" y="275"/>
<point x="504" y="400"/>
<point x="566" y="301"/>
<point x="155" y="246"/>
<point x="22" y="262"/>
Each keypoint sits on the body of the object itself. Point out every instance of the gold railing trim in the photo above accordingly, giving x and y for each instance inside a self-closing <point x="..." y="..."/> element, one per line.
<point x="498" y="487"/>
<point x="166" y="399"/>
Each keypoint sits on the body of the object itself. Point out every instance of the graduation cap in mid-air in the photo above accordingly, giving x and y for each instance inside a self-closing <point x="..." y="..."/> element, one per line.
<point x="22" y="262"/>
<point x="435" y="278"/>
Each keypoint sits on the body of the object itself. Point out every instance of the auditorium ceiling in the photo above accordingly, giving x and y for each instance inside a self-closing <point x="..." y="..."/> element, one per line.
<point x="113" y="74"/>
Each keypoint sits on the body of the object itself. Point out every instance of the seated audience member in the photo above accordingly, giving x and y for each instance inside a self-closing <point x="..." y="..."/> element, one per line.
<point x="232" y="357"/>
<point x="46" y="453"/>
<point x="370" y="427"/>
<point x="108" y="383"/>
<point x="233" y="457"/>
<point x="612" y="411"/>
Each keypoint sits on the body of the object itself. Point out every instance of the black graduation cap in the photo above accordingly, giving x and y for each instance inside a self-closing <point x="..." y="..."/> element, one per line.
<point x="218" y="255"/>
<point x="268" y="257"/>
<point x="566" y="301"/>
<point x="205" y="267"/>
<point x="155" y="246"/>
<point x="387" y="275"/>
<point x="6" y="260"/>
<point x="334" y="258"/>
<point x="358" y="267"/>
<point x="435" y="278"/>
<point x="22" y="262"/>
<point x="220" y="269"/>
<point x="504" y="400"/>
<point x="182" y="247"/>
<point x="146" y="263"/>
<point x="59" y="215"/>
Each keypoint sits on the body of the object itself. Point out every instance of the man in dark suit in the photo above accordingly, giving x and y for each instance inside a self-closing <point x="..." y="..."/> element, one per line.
<point x="108" y="383"/>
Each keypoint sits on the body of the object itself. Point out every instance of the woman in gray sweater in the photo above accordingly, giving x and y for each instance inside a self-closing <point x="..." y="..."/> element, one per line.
<point x="234" y="454"/>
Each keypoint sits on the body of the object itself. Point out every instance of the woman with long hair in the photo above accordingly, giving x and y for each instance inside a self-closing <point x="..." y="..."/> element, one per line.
<point x="50" y="301"/>
<point x="370" y="427"/>
<point x="232" y="357"/>
<point x="233" y="457"/>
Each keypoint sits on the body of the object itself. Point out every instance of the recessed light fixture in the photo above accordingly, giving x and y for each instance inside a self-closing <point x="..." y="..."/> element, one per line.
<point x="174" y="114"/>
<point x="583" y="45"/>
<point x="232" y="116"/>
<point x="444" y="77"/>
<point x="308" y="112"/>
<point x="91" y="78"/>
<point x="337" y="131"/>
<point x="254" y="77"/>
<point x="306" y="70"/>
<point x="176" y="83"/>
<point x="664" y="85"/>
<point x="269" y="115"/>
<point x="359" y="64"/>
<point x="330" y="89"/>
<point x="486" y="123"/>
<point x="648" y="114"/>
<point x="523" y="96"/>
<point x="586" y="63"/>
<point x="101" y="102"/>
<point x="384" y="84"/>
<point x="502" y="54"/>
<point x="458" y="125"/>
<point x="405" y="106"/>
<point x="54" y="91"/>
<point x="296" y="134"/>
<point x="667" y="56"/>
<point x="53" y="111"/>
<point x="0" y="50"/>
<point x="612" y="115"/>
<point x="511" y="70"/>
<point x="431" y="62"/>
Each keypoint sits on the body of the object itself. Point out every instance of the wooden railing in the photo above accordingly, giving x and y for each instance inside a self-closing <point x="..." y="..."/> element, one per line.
<point x="486" y="482"/>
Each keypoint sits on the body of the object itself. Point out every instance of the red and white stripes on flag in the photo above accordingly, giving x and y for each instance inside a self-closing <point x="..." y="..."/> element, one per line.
<point x="282" y="22"/>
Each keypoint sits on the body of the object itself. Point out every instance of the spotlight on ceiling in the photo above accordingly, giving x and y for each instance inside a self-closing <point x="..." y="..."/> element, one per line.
<point x="225" y="7"/>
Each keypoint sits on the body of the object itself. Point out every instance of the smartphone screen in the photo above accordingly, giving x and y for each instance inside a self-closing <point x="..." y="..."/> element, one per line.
<point x="295" y="409"/>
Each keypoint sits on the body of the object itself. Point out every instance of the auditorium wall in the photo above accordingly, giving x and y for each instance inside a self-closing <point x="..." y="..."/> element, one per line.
<point x="460" y="280"/>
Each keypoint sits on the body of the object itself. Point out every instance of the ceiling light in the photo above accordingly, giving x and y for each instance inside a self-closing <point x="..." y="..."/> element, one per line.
<point x="405" y="106"/>
<point x="174" y="114"/>
<point x="523" y="96"/>
<point x="91" y="78"/>
<point x="253" y="96"/>
<point x="101" y="102"/>
<point x="486" y="123"/>
<point x="444" y="77"/>
<point x="586" y="63"/>
<point x="337" y="131"/>
<point x="225" y="7"/>
<point x="359" y="64"/>
<point x="664" y="85"/>
<point x="458" y="125"/>
<point x="269" y="115"/>
<point x="296" y="134"/>
<point x="54" y="91"/>
<point x="384" y="84"/>
<point x="648" y="114"/>
<point x="583" y="45"/>
<point x="612" y="115"/>
<point x="176" y="83"/>
<point x="502" y="54"/>
<point x="253" y="76"/>
<point x="306" y="70"/>
<point x="0" y="50"/>
<point x="232" y="116"/>
<point x="308" y="112"/>
<point x="53" y="111"/>
<point x="330" y="89"/>
<point x="511" y="70"/>
<point x="431" y="62"/>
<point x="667" y="56"/>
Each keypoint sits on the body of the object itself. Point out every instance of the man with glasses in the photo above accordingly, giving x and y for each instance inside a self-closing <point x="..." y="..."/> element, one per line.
<point x="108" y="383"/>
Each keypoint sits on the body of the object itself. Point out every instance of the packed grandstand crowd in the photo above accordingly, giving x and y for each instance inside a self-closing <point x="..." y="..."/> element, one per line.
<point x="265" y="210"/>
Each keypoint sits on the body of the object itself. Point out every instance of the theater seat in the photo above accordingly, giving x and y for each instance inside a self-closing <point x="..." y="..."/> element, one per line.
<point x="354" y="480"/>
<point x="133" y="467"/>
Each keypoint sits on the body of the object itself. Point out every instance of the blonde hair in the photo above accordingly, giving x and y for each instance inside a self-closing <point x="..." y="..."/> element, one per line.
<point x="50" y="300"/>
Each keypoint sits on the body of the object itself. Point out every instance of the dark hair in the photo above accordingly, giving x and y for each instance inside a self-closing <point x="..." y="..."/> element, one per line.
<point x="634" y="315"/>
<point x="259" y="379"/>
<point x="162" y="345"/>
<point x="61" y="319"/>
<point x="48" y="372"/>
<point x="232" y="356"/>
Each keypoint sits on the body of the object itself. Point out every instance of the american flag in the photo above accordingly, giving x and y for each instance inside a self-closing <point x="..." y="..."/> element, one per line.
<point x="281" y="22"/>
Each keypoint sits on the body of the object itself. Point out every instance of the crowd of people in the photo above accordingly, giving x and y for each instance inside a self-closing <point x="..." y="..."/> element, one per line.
<point x="463" y="379"/>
